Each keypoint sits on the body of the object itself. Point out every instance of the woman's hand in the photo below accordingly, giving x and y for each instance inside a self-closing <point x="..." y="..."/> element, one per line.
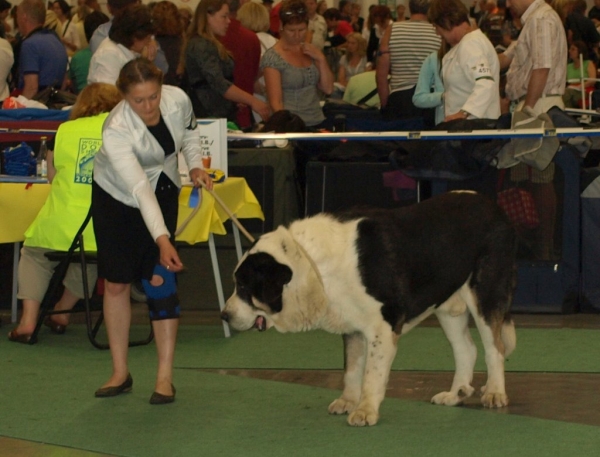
<point x="150" y="50"/>
<point x="262" y="108"/>
<point x="312" y="51"/>
<point x="197" y="175"/>
<point x="168" y="254"/>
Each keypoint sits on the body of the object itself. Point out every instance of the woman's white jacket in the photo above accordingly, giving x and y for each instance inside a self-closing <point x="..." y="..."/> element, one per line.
<point x="131" y="160"/>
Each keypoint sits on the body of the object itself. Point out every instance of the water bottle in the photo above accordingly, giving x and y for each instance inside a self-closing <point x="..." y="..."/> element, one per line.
<point x="41" y="163"/>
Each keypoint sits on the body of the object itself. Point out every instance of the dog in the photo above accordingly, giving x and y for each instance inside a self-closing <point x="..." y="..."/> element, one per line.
<point x="371" y="275"/>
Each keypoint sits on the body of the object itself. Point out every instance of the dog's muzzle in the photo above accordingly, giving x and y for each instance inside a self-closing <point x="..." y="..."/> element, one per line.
<point x="260" y="323"/>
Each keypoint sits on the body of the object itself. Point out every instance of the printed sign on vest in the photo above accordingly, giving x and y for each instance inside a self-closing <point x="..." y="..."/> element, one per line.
<point x="88" y="147"/>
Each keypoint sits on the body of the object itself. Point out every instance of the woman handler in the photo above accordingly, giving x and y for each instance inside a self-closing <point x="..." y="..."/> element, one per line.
<point x="134" y="204"/>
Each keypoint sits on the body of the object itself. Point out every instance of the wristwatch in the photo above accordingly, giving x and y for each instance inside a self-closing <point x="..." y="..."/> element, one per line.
<point x="464" y="113"/>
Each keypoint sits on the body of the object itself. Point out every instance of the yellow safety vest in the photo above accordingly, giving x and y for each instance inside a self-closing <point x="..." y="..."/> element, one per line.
<point x="70" y="196"/>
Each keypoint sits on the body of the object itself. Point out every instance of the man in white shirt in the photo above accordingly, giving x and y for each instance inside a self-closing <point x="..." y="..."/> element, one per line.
<point x="535" y="82"/>
<point x="537" y="61"/>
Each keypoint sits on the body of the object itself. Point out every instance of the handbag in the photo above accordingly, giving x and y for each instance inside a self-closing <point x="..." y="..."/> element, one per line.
<point x="338" y="106"/>
<point x="55" y="98"/>
<point x="519" y="205"/>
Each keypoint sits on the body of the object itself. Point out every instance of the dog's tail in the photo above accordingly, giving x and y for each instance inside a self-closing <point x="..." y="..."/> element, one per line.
<point x="509" y="336"/>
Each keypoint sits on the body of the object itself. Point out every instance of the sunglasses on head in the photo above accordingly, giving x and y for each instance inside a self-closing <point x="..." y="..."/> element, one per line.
<point x="300" y="11"/>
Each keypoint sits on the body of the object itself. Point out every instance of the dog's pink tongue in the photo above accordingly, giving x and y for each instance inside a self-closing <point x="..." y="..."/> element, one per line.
<point x="260" y="323"/>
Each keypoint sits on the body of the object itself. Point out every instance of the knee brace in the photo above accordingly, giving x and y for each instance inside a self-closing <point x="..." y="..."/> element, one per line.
<point x="163" y="302"/>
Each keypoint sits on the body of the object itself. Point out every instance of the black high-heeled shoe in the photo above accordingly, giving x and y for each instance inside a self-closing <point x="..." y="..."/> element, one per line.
<point x="160" y="399"/>
<point x="113" y="391"/>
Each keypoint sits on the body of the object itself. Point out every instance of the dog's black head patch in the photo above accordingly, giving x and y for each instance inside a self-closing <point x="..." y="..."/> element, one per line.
<point x="262" y="277"/>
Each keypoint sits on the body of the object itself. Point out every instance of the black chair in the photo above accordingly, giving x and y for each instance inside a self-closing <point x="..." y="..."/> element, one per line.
<point x="76" y="254"/>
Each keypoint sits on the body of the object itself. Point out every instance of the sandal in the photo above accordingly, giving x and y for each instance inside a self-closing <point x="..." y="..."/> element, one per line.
<point x="16" y="337"/>
<point x="54" y="326"/>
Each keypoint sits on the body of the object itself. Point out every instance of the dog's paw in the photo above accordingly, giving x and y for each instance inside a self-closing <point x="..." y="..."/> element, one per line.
<point x="362" y="417"/>
<point x="447" y="399"/>
<point x="341" y="406"/>
<point x="453" y="398"/>
<point x="494" y="400"/>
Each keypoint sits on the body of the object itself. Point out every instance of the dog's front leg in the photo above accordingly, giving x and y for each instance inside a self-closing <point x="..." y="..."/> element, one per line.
<point x="355" y="347"/>
<point x="381" y="350"/>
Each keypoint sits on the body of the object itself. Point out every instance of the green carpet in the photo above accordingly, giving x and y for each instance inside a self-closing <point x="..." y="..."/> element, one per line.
<point x="423" y="349"/>
<point x="47" y="396"/>
<point x="218" y="415"/>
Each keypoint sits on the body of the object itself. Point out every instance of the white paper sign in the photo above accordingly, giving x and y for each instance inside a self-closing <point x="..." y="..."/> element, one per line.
<point x="213" y="142"/>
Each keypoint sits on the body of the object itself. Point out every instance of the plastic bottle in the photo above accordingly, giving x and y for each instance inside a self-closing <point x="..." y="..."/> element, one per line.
<point x="41" y="163"/>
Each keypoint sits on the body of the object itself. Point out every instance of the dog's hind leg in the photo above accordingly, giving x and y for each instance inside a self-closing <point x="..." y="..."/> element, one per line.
<point x="355" y="348"/>
<point x="489" y="303"/>
<point x="498" y="338"/>
<point x="380" y="352"/>
<point x="494" y="391"/>
<point x="456" y="328"/>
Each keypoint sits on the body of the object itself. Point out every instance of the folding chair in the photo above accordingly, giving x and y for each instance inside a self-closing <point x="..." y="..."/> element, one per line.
<point x="75" y="254"/>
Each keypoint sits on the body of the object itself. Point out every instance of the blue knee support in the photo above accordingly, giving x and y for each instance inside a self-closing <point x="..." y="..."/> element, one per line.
<point x="163" y="302"/>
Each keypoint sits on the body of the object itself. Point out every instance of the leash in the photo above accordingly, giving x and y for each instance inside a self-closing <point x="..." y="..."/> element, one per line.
<point x="225" y="208"/>
<point x="244" y="231"/>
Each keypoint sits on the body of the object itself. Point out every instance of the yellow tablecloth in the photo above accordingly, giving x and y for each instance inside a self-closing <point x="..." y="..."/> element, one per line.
<point x="234" y="192"/>
<point x="20" y="203"/>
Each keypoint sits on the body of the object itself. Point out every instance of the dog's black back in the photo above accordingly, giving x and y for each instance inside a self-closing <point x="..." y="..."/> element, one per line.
<point x="414" y="257"/>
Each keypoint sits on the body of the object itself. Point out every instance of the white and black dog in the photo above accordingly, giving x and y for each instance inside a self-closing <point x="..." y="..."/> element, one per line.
<point x="372" y="274"/>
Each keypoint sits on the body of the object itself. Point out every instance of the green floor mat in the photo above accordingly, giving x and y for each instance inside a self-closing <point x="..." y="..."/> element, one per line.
<point x="423" y="349"/>
<point x="217" y="415"/>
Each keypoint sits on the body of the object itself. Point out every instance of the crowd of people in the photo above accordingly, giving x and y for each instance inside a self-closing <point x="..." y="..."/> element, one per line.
<point x="156" y="68"/>
<point x="221" y="61"/>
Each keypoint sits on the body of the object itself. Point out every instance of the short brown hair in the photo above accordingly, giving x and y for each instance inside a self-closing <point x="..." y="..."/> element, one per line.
<point x="135" y="22"/>
<point x="293" y="12"/>
<point x="447" y="14"/>
<point x="138" y="71"/>
<point x="95" y="98"/>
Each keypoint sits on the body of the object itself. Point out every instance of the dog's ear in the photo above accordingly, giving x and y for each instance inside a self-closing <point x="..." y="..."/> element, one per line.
<point x="265" y="278"/>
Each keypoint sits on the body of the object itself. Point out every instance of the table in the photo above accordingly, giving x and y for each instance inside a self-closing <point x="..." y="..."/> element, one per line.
<point x="22" y="201"/>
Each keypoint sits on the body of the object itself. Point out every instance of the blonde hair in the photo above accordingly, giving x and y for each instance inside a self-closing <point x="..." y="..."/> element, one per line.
<point x="361" y="51"/>
<point x="562" y="8"/>
<point x="254" y="16"/>
<point x="94" y="99"/>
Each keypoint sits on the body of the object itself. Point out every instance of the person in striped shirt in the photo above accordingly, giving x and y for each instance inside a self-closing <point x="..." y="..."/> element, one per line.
<point x="403" y="48"/>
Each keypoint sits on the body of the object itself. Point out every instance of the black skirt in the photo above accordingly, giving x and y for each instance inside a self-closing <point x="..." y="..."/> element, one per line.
<point x="126" y="250"/>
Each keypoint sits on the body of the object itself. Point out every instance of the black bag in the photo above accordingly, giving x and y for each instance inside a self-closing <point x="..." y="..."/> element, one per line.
<point x="334" y="107"/>
<point x="55" y="98"/>
<point x="284" y="121"/>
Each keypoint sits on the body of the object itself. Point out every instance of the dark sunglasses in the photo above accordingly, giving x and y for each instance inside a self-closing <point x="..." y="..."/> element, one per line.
<point x="301" y="11"/>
